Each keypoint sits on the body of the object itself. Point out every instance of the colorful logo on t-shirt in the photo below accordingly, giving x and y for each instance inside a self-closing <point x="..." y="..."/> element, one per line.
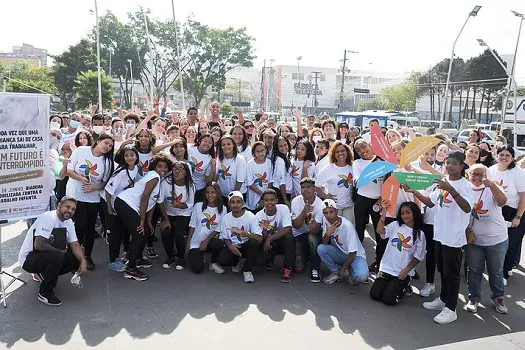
<point x="176" y="199"/>
<point x="295" y="171"/>
<point x="195" y="165"/>
<point x="224" y="172"/>
<point x="268" y="226"/>
<point x="345" y="181"/>
<point x="209" y="220"/>
<point x="89" y="168"/>
<point x="501" y="184"/>
<point x="235" y="235"/>
<point x="442" y="198"/>
<point x="260" y="179"/>
<point x="477" y="209"/>
<point x="401" y="242"/>
<point x="144" y="166"/>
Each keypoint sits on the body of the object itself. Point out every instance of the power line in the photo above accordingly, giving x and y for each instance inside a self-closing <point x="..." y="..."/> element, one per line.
<point x="29" y="86"/>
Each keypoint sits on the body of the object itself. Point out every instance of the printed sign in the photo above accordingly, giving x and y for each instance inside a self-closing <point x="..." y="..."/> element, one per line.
<point x="417" y="147"/>
<point x="416" y="181"/>
<point x="380" y="145"/>
<point x="373" y="171"/>
<point x="390" y="192"/>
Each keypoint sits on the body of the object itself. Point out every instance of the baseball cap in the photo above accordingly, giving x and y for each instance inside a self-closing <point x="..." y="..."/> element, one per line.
<point x="329" y="203"/>
<point x="459" y="156"/>
<point x="235" y="194"/>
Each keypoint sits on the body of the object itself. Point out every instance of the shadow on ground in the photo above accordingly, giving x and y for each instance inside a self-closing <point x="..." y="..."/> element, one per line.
<point x="109" y="304"/>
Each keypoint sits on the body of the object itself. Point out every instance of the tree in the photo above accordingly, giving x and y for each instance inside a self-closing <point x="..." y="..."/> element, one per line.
<point x="77" y="58"/>
<point x="371" y="104"/>
<point x="210" y="53"/>
<point x="401" y="97"/>
<point x="86" y="89"/>
<point x="30" y="79"/>
<point x="226" y="109"/>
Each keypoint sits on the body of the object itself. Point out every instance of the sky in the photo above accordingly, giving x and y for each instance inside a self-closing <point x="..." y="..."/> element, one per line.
<point x="390" y="36"/>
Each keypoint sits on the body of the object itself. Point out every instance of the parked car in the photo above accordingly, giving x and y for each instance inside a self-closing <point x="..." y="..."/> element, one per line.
<point x="463" y="135"/>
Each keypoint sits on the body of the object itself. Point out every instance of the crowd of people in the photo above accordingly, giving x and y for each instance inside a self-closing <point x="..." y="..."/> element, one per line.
<point x="245" y="190"/>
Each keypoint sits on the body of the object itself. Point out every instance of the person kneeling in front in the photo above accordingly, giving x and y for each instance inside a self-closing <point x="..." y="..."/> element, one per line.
<point x="340" y="249"/>
<point x="42" y="253"/>
<point x="405" y="249"/>
<point x="242" y="236"/>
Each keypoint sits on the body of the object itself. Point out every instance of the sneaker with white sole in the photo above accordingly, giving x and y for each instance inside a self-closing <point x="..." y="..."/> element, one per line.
<point x="117" y="266"/>
<point x="427" y="290"/>
<point x="49" y="299"/>
<point x="499" y="304"/>
<point x="237" y="268"/>
<point x="510" y="273"/>
<point x="332" y="278"/>
<point x="436" y="304"/>
<point x="216" y="268"/>
<point x="179" y="265"/>
<point x="169" y="262"/>
<point x="472" y="306"/>
<point x="408" y="290"/>
<point x="446" y="316"/>
<point x="314" y="276"/>
<point x="248" y="277"/>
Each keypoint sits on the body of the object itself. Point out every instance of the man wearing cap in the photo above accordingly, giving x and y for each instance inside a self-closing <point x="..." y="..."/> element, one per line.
<point x="242" y="237"/>
<point x="340" y="249"/>
<point x="452" y="198"/>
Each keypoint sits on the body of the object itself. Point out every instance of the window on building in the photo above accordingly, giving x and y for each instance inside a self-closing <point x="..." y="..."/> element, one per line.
<point x="322" y="77"/>
<point x="294" y="76"/>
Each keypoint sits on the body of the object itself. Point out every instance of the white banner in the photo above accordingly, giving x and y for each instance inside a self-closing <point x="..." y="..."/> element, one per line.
<point x="25" y="177"/>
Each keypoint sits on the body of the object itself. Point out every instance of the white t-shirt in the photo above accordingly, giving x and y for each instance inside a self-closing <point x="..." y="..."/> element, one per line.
<point x="450" y="221"/>
<point x="488" y="224"/>
<point x="275" y="222"/>
<point x="170" y="192"/>
<point x="246" y="222"/>
<point x="512" y="181"/>
<point x="119" y="182"/>
<point x="204" y="222"/>
<point x="85" y="164"/>
<point x="371" y="190"/>
<point x="401" y="248"/>
<point x="200" y="165"/>
<point x="260" y="175"/>
<point x="43" y="226"/>
<point x="297" y="172"/>
<point x="247" y="153"/>
<point x="338" y="181"/>
<point x="144" y="160"/>
<point x="53" y="159"/>
<point x="320" y="166"/>
<point x="230" y="171"/>
<point x="133" y="194"/>
<point x="345" y="238"/>
<point x="298" y="205"/>
<point x="281" y="176"/>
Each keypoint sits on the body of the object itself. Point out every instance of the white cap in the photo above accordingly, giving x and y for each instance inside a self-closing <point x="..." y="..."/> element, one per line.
<point x="329" y="203"/>
<point x="235" y="194"/>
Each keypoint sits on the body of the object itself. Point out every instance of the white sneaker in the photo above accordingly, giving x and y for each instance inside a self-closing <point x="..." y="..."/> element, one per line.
<point x="428" y="288"/>
<point x="510" y="273"/>
<point x="505" y="281"/>
<point x="216" y="268"/>
<point x="472" y="306"/>
<point x="332" y="278"/>
<point x="237" y="268"/>
<point x="446" y="316"/>
<point x="248" y="277"/>
<point x="499" y="304"/>
<point x="436" y="304"/>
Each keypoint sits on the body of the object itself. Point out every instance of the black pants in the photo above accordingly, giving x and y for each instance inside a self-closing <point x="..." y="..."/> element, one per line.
<point x="388" y="289"/>
<point x="363" y="210"/>
<point x="314" y="239"/>
<point x="512" y="258"/>
<point x="60" y="188"/>
<point x="249" y="251"/>
<point x="154" y="219"/>
<point x="131" y="220"/>
<point x="196" y="256"/>
<point x="179" y="225"/>
<point x="117" y="235"/>
<point x="286" y="246"/>
<point x="448" y="261"/>
<point x="50" y="264"/>
<point x="430" y="258"/>
<point x="85" y="218"/>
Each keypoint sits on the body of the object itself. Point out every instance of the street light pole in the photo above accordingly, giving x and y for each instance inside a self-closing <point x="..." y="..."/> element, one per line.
<point x="178" y="56"/>
<point x="98" y="61"/>
<point x="472" y="13"/>
<point x="510" y="73"/>
<point x="150" y="58"/>
<point x="132" y="82"/>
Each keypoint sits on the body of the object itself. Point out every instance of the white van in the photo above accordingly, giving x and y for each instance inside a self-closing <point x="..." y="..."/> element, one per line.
<point x="403" y="121"/>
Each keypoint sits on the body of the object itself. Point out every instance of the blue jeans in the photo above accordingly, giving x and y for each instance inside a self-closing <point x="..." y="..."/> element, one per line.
<point x="334" y="258"/>
<point x="493" y="256"/>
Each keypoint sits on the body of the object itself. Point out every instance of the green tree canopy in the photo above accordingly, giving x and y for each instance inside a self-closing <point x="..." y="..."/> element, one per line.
<point x="86" y="89"/>
<point x="30" y="79"/>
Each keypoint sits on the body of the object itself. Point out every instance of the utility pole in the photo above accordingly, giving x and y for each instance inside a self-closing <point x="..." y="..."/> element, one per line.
<point x="342" y="95"/>
<point x="262" y="84"/>
<point x="315" y="91"/>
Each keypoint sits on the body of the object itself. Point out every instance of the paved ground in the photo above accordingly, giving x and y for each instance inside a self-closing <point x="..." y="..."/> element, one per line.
<point x="221" y="312"/>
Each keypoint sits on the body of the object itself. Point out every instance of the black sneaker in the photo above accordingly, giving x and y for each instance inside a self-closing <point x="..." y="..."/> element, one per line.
<point x="268" y="266"/>
<point x="315" y="277"/>
<point x="151" y="253"/>
<point x="179" y="266"/>
<point x="416" y="276"/>
<point x="373" y="268"/>
<point x="143" y="263"/>
<point x="49" y="299"/>
<point x="133" y="273"/>
<point x="168" y="263"/>
<point x="90" y="263"/>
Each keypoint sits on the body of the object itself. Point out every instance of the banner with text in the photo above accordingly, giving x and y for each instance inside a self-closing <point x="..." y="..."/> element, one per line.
<point x="25" y="184"/>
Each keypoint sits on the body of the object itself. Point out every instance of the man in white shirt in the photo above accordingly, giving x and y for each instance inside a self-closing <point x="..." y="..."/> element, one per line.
<point x="39" y="256"/>
<point x="341" y="249"/>
<point x="276" y="225"/>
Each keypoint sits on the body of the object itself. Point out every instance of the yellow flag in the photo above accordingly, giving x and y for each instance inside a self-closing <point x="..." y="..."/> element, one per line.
<point x="417" y="147"/>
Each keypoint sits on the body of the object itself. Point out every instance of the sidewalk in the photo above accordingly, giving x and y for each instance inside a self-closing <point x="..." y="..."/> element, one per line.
<point x="209" y="311"/>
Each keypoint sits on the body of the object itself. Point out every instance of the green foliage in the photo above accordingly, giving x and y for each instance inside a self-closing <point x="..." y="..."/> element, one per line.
<point x="400" y="97"/>
<point x="86" y="89"/>
<point x="226" y="109"/>
<point x="371" y="104"/>
<point x="29" y="79"/>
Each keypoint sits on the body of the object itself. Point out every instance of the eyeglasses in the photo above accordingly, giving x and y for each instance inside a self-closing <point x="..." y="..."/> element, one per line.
<point x="178" y="169"/>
